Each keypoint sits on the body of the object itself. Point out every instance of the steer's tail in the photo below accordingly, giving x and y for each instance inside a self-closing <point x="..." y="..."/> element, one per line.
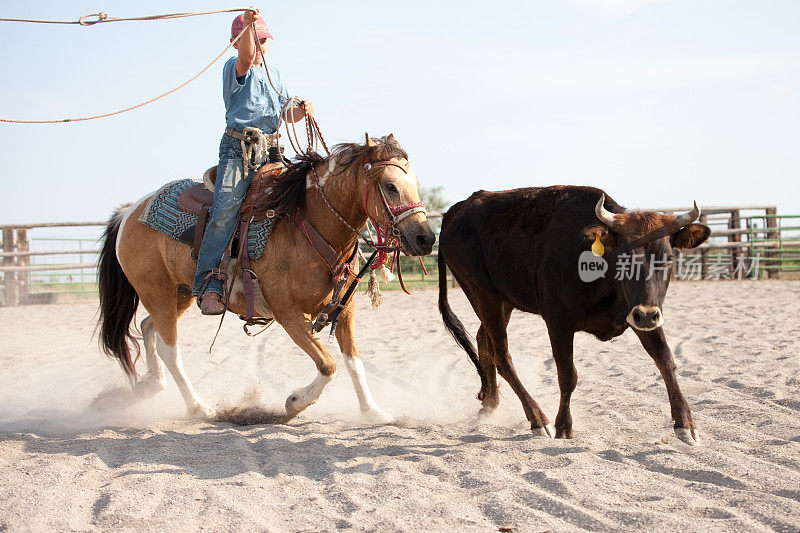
<point x="118" y="302"/>
<point x="453" y="324"/>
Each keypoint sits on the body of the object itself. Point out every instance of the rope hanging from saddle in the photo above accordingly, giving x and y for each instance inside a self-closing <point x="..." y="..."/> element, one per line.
<point x="255" y="147"/>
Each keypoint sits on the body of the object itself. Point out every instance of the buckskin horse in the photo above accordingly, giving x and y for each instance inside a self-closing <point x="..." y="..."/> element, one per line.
<point x="334" y="195"/>
<point x="521" y="249"/>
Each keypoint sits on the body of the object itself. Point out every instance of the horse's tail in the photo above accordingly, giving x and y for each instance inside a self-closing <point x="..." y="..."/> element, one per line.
<point x="118" y="302"/>
<point x="453" y="324"/>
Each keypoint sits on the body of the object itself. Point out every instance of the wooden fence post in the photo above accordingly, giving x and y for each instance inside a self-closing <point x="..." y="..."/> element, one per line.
<point x="10" y="278"/>
<point x="734" y="224"/>
<point x="774" y="270"/>
<point x="704" y="252"/>
<point x="22" y="276"/>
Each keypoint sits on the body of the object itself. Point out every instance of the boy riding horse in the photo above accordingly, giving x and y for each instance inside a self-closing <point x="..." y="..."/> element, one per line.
<point x="252" y="115"/>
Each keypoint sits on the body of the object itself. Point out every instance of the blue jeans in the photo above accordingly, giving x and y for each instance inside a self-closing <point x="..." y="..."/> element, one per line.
<point x="229" y="192"/>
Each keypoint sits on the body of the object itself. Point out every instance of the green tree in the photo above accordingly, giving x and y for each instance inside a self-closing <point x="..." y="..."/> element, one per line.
<point x="435" y="203"/>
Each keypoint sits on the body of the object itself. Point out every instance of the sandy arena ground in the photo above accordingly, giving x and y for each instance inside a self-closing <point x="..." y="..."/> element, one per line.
<point x="65" y="467"/>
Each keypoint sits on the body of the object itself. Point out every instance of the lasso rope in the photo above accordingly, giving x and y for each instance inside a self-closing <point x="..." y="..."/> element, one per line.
<point x="98" y="18"/>
<point x="86" y="20"/>
<point x="102" y="17"/>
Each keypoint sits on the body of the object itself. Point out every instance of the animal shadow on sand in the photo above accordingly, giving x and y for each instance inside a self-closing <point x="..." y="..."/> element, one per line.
<point x="220" y="450"/>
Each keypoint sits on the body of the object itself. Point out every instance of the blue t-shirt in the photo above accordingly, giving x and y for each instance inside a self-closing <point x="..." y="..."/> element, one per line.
<point x="251" y="100"/>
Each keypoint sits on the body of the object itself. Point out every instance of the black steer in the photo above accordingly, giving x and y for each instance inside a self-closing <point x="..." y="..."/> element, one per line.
<point x="578" y="259"/>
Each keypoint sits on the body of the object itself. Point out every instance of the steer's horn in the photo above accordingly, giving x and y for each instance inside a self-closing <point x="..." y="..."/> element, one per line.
<point x="606" y="217"/>
<point x="687" y="218"/>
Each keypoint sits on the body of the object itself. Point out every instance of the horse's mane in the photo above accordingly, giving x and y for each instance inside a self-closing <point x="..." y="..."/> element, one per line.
<point x="289" y="193"/>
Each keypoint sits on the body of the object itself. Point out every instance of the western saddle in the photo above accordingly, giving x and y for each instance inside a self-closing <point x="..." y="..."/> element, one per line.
<point x="199" y="198"/>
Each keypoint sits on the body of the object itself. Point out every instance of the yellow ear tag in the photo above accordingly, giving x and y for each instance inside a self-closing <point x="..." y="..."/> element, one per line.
<point x="597" y="246"/>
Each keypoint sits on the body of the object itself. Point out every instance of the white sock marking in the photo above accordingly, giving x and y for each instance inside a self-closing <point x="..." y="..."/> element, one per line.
<point x="171" y="355"/>
<point x="355" y="367"/>
<point x="310" y="394"/>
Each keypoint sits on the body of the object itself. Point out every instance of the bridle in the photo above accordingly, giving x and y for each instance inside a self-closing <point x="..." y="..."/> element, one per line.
<point x="394" y="213"/>
<point x="387" y="240"/>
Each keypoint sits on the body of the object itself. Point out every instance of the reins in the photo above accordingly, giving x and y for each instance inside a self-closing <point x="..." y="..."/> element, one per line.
<point x="395" y="214"/>
<point x="312" y="128"/>
<point x="387" y="240"/>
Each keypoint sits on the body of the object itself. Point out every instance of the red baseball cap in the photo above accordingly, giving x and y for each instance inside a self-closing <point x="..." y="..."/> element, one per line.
<point x="261" y="28"/>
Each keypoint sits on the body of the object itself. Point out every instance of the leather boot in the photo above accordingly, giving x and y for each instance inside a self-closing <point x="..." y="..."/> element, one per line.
<point x="211" y="304"/>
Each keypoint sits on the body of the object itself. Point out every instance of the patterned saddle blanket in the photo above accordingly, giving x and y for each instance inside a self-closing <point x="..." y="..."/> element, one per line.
<point x="163" y="213"/>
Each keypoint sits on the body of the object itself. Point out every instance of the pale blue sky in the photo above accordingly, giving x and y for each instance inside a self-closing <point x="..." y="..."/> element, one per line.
<point x="657" y="101"/>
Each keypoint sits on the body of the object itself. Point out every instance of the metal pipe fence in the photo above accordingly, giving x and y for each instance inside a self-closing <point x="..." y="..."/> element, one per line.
<point x="47" y="265"/>
<point x="741" y="245"/>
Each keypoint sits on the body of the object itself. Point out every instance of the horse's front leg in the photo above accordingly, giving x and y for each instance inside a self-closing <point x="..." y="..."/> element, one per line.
<point x="299" y="329"/>
<point x="345" y="335"/>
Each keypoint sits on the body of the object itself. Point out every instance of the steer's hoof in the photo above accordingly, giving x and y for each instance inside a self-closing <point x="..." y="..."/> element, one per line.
<point x="564" y="433"/>
<point x="546" y="431"/>
<point x="689" y="436"/>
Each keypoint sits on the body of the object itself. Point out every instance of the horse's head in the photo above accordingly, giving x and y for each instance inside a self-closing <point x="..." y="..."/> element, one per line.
<point x="390" y="190"/>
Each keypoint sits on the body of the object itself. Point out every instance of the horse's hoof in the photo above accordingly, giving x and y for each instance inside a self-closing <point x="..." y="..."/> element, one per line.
<point x="149" y="386"/>
<point x="486" y="413"/>
<point x="546" y="431"/>
<point x="292" y="405"/>
<point x="202" y="412"/>
<point x="689" y="436"/>
<point x="109" y="399"/>
<point x="376" y="415"/>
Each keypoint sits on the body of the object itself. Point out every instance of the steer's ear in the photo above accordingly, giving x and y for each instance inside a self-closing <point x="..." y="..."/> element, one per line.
<point x="608" y="238"/>
<point x="691" y="236"/>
